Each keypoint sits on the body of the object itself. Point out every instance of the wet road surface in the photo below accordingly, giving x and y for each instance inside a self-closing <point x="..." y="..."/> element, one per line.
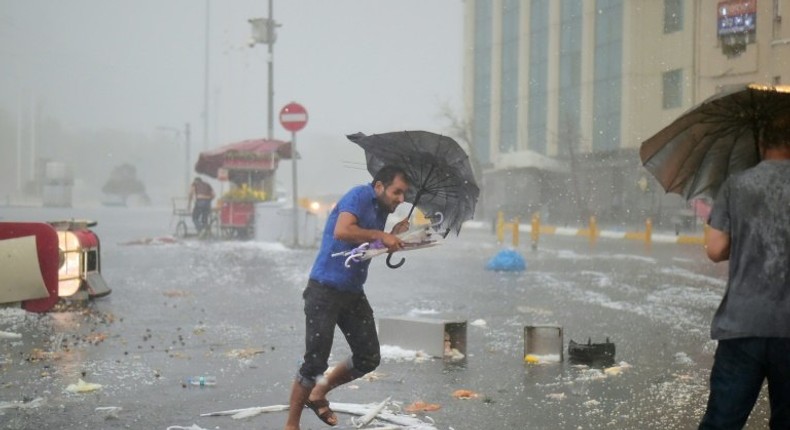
<point x="233" y="310"/>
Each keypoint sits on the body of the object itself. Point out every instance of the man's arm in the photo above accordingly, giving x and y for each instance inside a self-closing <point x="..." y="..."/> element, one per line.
<point x="347" y="229"/>
<point x="717" y="245"/>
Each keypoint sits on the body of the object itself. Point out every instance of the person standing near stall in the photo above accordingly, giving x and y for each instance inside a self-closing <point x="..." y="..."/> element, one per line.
<point x="203" y="195"/>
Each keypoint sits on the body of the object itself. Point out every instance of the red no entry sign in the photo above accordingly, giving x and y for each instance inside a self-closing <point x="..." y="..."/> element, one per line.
<point x="293" y="117"/>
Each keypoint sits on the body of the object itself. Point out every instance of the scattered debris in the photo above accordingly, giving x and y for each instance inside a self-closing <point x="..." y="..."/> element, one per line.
<point x="616" y="370"/>
<point x="420" y="406"/>
<point x="465" y="394"/>
<point x="9" y="335"/>
<point x="192" y="427"/>
<point x="244" y="353"/>
<point x="450" y="352"/>
<point x="556" y="396"/>
<point x="370" y="416"/>
<point x="373" y="376"/>
<point x="593" y="354"/>
<point x="38" y="401"/>
<point x="385" y="414"/>
<point x="453" y="354"/>
<point x="109" y="412"/>
<point x="479" y="323"/>
<point x="83" y="387"/>
<point x="541" y="358"/>
<point x="683" y="359"/>
<point x="248" y="412"/>
<point x="95" y="338"/>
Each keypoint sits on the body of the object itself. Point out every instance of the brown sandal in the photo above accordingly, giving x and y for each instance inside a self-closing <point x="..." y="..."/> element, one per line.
<point x="328" y="413"/>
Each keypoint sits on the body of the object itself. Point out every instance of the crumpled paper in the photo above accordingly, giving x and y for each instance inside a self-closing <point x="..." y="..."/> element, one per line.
<point x="83" y="387"/>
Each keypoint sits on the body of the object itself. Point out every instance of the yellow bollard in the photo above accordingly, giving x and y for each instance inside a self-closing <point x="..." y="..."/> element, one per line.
<point x="515" y="232"/>
<point x="500" y="227"/>
<point x="648" y="231"/>
<point x="593" y="230"/>
<point x="535" y="230"/>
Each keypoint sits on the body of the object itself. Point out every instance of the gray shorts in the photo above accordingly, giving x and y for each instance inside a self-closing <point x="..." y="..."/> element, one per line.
<point x="326" y="307"/>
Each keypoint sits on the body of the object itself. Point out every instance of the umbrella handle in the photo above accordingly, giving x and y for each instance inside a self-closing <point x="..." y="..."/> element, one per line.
<point x="396" y="265"/>
<point x="436" y="215"/>
<point x="353" y="258"/>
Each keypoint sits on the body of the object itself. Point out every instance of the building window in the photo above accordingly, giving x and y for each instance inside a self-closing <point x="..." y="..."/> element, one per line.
<point x="607" y="84"/>
<point x="481" y="125"/>
<point x="509" y="91"/>
<point x="538" y="75"/>
<point x="570" y="72"/>
<point x="673" y="89"/>
<point x="673" y="16"/>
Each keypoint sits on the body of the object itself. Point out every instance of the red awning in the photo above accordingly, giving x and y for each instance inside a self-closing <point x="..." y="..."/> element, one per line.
<point x="253" y="154"/>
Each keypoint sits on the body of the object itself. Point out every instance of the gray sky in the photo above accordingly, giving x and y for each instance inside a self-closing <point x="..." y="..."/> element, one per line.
<point x="135" y="65"/>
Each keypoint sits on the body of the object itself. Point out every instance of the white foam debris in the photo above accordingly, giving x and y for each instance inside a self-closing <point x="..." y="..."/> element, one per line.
<point x="9" y="335"/>
<point x="556" y="396"/>
<point x="418" y="311"/>
<point x="683" y="358"/>
<point x="397" y="354"/>
<point x="479" y="323"/>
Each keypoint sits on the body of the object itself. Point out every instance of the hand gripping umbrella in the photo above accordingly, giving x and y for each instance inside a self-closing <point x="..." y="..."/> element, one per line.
<point x="695" y="154"/>
<point x="442" y="182"/>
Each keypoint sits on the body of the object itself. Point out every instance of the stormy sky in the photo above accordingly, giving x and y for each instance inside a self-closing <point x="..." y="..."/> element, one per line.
<point x="138" y="66"/>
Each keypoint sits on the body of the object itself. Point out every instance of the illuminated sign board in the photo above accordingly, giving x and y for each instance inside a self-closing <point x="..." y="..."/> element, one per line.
<point x="737" y="16"/>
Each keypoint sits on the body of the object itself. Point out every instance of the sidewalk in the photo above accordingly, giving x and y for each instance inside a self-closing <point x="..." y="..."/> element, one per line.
<point x="605" y="234"/>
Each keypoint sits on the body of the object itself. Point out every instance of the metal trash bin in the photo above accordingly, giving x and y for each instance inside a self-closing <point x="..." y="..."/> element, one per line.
<point x="543" y="340"/>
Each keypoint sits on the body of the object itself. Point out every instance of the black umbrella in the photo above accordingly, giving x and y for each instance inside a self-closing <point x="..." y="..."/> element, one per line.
<point x="696" y="153"/>
<point x="442" y="182"/>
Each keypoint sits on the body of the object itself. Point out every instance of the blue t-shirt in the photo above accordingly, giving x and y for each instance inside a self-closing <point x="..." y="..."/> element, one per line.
<point x="361" y="202"/>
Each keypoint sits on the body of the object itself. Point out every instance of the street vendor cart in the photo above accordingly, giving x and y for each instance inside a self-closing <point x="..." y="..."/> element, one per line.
<point x="249" y="168"/>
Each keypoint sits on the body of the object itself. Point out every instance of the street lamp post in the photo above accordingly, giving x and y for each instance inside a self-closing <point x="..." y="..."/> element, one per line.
<point x="263" y="31"/>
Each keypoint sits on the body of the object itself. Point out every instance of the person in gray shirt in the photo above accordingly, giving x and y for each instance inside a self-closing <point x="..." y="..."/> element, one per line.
<point x="750" y="227"/>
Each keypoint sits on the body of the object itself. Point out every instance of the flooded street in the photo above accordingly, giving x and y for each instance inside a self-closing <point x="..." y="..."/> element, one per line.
<point x="233" y="310"/>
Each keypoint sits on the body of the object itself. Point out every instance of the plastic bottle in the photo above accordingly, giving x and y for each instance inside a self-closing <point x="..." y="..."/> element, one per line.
<point x="203" y="381"/>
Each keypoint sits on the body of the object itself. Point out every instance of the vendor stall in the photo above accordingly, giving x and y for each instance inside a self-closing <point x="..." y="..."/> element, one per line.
<point x="249" y="168"/>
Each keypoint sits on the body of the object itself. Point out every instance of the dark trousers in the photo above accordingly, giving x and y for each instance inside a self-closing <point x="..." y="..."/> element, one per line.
<point x="325" y="308"/>
<point x="739" y="369"/>
<point x="200" y="213"/>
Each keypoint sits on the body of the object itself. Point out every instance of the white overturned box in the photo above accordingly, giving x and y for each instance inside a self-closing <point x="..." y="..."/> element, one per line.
<point x="423" y="334"/>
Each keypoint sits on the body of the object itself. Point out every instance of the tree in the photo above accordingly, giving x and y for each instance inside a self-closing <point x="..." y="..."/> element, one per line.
<point x="123" y="183"/>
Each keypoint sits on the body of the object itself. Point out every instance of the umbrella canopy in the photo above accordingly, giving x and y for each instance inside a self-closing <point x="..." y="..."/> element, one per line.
<point x="246" y="154"/>
<point x="438" y="170"/>
<point x="696" y="153"/>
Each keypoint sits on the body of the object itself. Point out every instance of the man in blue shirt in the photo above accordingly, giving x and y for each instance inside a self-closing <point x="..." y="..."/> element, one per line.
<point x="335" y="297"/>
<point x="750" y="227"/>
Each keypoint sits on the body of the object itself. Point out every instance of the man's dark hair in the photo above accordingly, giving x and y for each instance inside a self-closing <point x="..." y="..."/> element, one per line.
<point x="776" y="131"/>
<point x="387" y="174"/>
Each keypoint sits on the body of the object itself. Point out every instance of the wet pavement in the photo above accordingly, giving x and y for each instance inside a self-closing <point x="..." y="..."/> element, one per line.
<point x="233" y="310"/>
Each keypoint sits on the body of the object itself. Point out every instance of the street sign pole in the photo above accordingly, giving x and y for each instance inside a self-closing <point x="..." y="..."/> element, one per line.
<point x="294" y="179"/>
<point x="293" y="118"/>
